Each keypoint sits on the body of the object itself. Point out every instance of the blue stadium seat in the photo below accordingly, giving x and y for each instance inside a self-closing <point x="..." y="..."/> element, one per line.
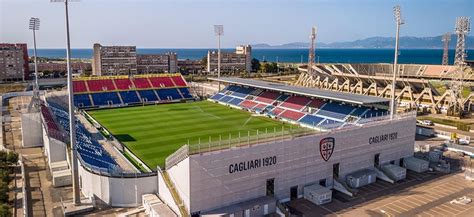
<point x="168" y="94"/>
<point x="149" y="95"/>
<point x="129" y="97"/>
<point x="82" y="100"/>
<point x="186" y="93"/>
<point x="311" y="120"/>
<point x="241" y="91"/>
<point x="330" y="124"/>
<point x="217" y="96"/>
<point x="101" y="99"/>
<point x="90" y="151"/>
<point x="226" y="99"/>
<point x="235" y="101"/>
<point x="359" y="111"/>
<point x="335" y="110"/>
<point x="374" y="113"/>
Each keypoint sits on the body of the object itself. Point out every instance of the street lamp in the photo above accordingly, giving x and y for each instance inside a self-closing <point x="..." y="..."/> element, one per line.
<point x="219" y="31"/>
<point x="72" y="119"/>
<point x="34" y="25"/>
<point x="399" y="22"/>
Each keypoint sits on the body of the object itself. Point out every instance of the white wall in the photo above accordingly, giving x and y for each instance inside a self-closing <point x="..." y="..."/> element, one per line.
<point x="54" y="149"/>
<point x="165" y="194"/>
<point x="117" y="191"/>
<point x="299" y="163"/>
<point x="31" y="130"/>
<point x="179" y="174"/>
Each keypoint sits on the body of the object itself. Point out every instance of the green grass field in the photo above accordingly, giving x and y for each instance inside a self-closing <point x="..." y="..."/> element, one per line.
<point x="154" y="132"/>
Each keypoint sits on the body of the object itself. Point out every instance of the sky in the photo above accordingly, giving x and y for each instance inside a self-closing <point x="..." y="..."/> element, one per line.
<point x="189" y="23"/>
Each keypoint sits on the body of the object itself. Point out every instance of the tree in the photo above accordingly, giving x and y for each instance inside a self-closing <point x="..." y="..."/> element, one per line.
<point x="204" y="62"/>
<point x="12" y="158"/>
<point x="255" y="64"/>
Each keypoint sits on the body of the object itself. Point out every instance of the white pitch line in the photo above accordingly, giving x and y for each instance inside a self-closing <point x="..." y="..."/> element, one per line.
<point x="248" y="119"/>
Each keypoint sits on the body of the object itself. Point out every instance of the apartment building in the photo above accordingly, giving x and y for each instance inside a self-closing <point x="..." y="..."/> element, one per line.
<point x="124" y="60"/>
<point x="114" y="60"/>
<point x="13" y="62"/>
<point x="157" y="63"/>
<point x="240" y="60"/>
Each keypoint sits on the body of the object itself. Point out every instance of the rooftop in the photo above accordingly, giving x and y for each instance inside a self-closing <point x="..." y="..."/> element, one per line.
<point x="306" y="91"/>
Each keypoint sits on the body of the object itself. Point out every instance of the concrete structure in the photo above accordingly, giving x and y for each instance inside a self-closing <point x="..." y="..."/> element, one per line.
<point x="31" y="130"/>
<point x="114" y="60"/>
<point x="155" y="63"/>
<point x="13" y="62"/>
<point x="76" y="67"/>
<point x="240" y="60"/>
<point x="188" y="66"/>
<point x="124" y="60"/>
<point x="221" y="178"/>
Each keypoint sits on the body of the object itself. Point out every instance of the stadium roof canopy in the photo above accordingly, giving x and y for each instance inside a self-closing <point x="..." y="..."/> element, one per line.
<point x="306" y="91"/>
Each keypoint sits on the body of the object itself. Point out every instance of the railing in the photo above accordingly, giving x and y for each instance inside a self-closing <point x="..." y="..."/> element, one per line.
<point x="283" y="134"/>
<point x="177" y="156"/>
<point x="114" y="172"/>
<point x="249" y="140"/>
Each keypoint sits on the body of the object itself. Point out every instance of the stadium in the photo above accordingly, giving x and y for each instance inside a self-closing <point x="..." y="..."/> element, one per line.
<point x="243" y="151"/>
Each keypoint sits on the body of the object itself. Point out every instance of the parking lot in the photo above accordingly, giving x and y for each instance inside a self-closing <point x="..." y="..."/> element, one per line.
<point x="426" y="194"/>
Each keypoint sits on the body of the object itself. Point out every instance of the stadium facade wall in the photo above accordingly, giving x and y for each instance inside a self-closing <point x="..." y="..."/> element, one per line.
<point x="54" y="149"/>
<point x="165" y="194"/>
<point x="219" y="179"/>
<point x="31" y="130"/>
<point x="179" y="174"/>
<point x="117" y="191"/>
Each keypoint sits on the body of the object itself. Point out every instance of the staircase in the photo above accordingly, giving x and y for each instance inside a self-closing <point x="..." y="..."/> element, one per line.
<point x="177" y="199"/>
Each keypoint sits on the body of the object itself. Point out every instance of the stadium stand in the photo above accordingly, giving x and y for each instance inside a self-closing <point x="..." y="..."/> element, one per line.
<point x="267" y="97"/>
<point x="248" y="104"/>
<point x="179" y="81"/>
<point x="100" y="85"/>
<point x="311" y="120"/>
<point x="82" y="100"/>
<point x="323" y="115"/>
<point x="90" y="151"/>
<point x="107" y="98"/>
<point x="79" y="86"/>
<point x="123" y="84"/>
<point x="129" y="97"/>
<point x="335" y="110"/>
<point x="169" y="94"/>
<point x="296" y="102"/>
<point x="161" y="82"/>
<point x="115" y="90"/>
<point x="141" y="83"/>
<point x="148" y="95"/>
<point x="292" y="115"/>
<point x="185" y="92"/>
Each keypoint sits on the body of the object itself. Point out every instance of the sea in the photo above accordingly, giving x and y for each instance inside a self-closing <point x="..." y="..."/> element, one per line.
<point x="326" y="55"/>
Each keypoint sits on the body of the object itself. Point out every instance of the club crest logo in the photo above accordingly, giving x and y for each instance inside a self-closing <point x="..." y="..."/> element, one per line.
<point x="326" y="147"/>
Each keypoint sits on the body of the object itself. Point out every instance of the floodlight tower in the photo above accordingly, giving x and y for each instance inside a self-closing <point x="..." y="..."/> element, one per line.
<point x="34" y="26"/>
<point x="456" y="85"/>
<point x="72" y="119"/>
<point x="219" y="31"/>
<point x="399" y="21"/>
<point x="446" y="39"/>
<point x="311" y="50"/>
<point x="463" y="26"/>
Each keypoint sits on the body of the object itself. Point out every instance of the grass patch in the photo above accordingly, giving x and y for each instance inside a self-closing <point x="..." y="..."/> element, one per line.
<point x="458" y="124"/>
<point x="154" y="132"/>
<point x="134" y="162"/>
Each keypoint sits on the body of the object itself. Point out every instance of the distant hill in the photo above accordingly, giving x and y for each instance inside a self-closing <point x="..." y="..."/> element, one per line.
<point x="406" y="42"/>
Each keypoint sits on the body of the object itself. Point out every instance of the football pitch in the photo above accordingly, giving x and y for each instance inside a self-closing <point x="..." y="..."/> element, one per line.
<point x="154" y="132"/>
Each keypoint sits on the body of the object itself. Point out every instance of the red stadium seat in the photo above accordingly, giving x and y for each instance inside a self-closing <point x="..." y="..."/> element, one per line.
<point x="101" y="85"/>
<point x="141" y="83"/>
<point x="161" y="82"/>
<point x="79" y="87"/>
<point x="179" y="81"/>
